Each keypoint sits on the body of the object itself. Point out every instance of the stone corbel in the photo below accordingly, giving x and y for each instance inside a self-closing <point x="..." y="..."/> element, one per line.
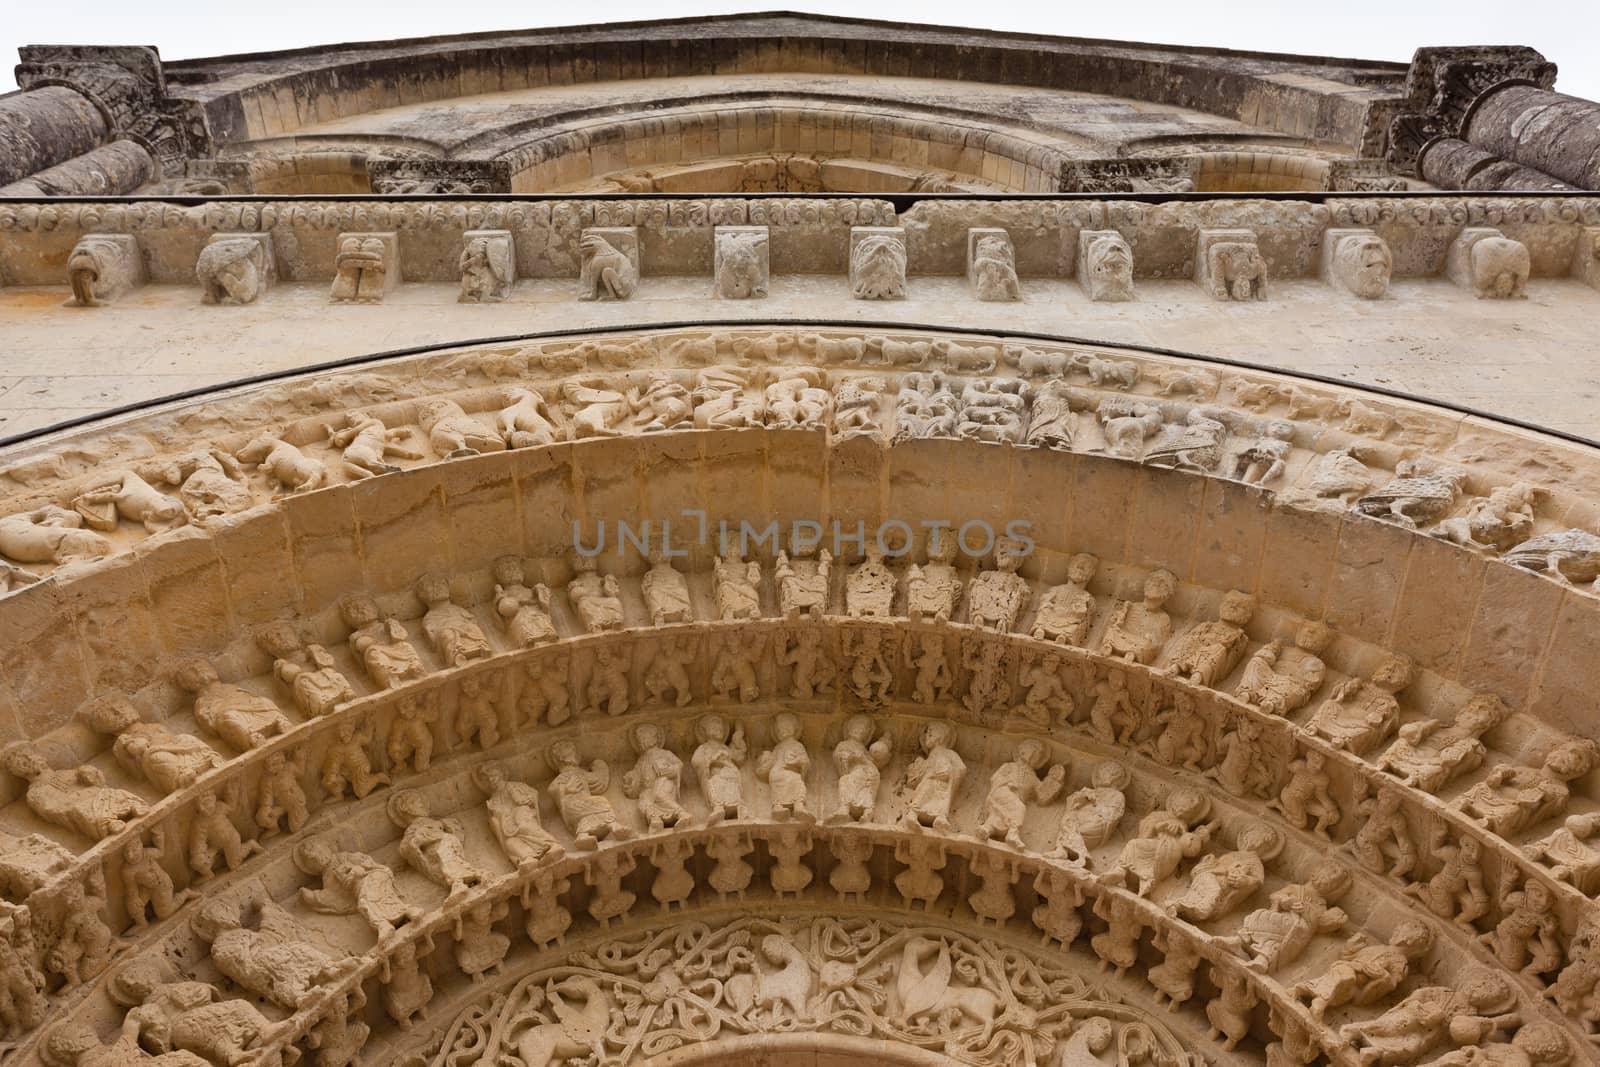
<point x="236" y="268"/>
<point x="1586" y="262"/>
<point x="366" y="267"/>
<point x="992" y="264"/>
<point x="1357" y="261"/>
<point x="878" y="262"/>
<point x="1488" y="264"/>
<point x="1105" y="265"/>
<point x="102" y="267"/>
<point x="742" y="262"/>
<point x="488" y="266"/>
<point x="1229" y="264"/>
<point x="610" y="268"/>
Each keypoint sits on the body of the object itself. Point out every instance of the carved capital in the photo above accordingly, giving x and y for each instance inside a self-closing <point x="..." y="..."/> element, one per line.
<point x="1445" y="84"/>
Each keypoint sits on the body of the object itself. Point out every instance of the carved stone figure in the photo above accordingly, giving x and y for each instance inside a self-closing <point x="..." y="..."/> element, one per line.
<point x="1306" y="794"/>
<point x="1057" y="915"/>
<point x="452" y="433"/>
<point x="1456" y="891"/>
<point x="1415" y="495"/>
<point x="1183" y="739"/>
<point x="280" y="798"/>
<point x="210" y="482"/>
<point x="1237" y="271"/>
<point x="995" y="410"/>
<point x="920" y="882"/>
<point x="580" y="797"/>
<point x="365" y="267"/>
<point x="925" y="407"/>
<point x="934" y="779"/>
<point x="1467" y="1014"/>
<point x="800" y="401"/>
<point x="736" y="665"/>
<point x="1569" y="853"/>
<point x="790" y="847"/>
<point x="234" y="269"/>
<point x="346" y="763"/>
<point x="241" y="718"/>
<point x="451" y="629"/>
<point x="605" y="874"/>
<point x="524" y="421"/>
<point x="193" y="1017"/>
<point x="718" y="763"/>
<point x="996" y="873"/>
<point x="1137" y="632"/>
<point x="812" y="667"/>
<point x="1174" y="977"/>
<point x="1514" y="798"/>
<point x="514" y="820"/>
<point x="1113" y="718"/>
<point x="1207" y="653"/>
<point x="524" y="610"/>
<point x="859" y="760"/>
<point x="1090" y="816"/>
<point x="548" y="920"/>
<point x="595" y="597"/>
<point x="1105" y="265"/>
<point x="477" y="711"/>
<point x="431" y="846"/>
<point x="868" y="670"/>
<point x="740" y="262"/>
<point x="167" y="760"/>
<point x="730" y="873"/>
<point x="146" y="885"/>
<point x="406" y="990"/>
<point x="1191" y="440"/>
<point x="1045" y="698"/>
<point x="545" y="696"/>
<point x="1262" y="455"/>
<point x="607" y="273"/>
<point x="1066" y="612"/>
<point x="411" y="732"/>
<point x="1570" y="556"/>
<point x="925" y="651"/>
<point x="1365" y="973"/>
<point x="1117" y="945"/>
<point x="368" y="444"/>
<point x="103" y="267"/>
<point x="1231" y="1011"/>
<point x="1050" y="421"/>
<point x="353" y="883"/>
<point x="76" y="799"/>
<point x="673" y="884"/>
<point x="308" y="671"/>
<point x="1014" y="786"/>
<point x="1383" y="844"/>
<point x="212" y="833"/>
<point x="488" y="265"/>
<point x="106" y="499"/>
<point x="72" y="1044"/>
<point x="878" y="263"/>
<point x="1527" y="938"/>
<point x="655" y="780"/>
<point x="666" y="673"/>
<point x="1221" y="882"/>
<point x="1358" y="261"/>
<point x="1358" y="716"/>
<point x="737" y="587"/>
<point x="1273" y="937"/>
<point x="783" y="767"/>
<point x="1165" y="838"/>
<point x="987" y="660"/>
<point x="49" y="534"/>
<point x="1489" y="264"/>
<point x="869" y="587"/>
<point x="1279" y="679"/>
<point x="1427" y="754"/>
<point x="1499" y="521"/>
<point x="84" y="943"/>
<point x="276" y="961"/>
<point x="996" y="597"/>
<point x="992" y="265"/>
<point x="480" y="948"/>
<point x="380" y="643"/>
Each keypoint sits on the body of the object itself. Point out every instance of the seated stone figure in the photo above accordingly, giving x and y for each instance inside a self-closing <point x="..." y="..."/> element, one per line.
<point x="1137" y="632"/>
<point x="238" y="716"/>
<point x="380" y="643"/>
<point x="1428" y="754"/>
<point x="1207" y="653"/>
<point x="1365" y="973"/>
<point x="1512" y="799"/>
<point x="1276" y="935"/>
<point x="451" y="629"/>
<point x="167" y="760"/>
<point x="1222" y="881"/>
<point x="1359" y="715"/>
<point x="1279" y="680"/>
<point x="277" y="960"/>
<point x="1066" y="612"/>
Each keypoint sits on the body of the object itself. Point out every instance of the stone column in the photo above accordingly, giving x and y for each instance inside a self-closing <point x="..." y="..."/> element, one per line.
<point x="110" y="170"/>
<point x="1539" y="128"/>
<point x="1451" y="163"/>
<point x="45" y="126"/>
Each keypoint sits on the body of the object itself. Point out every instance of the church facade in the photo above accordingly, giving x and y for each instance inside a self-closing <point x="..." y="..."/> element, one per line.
<point x="800" y="541"/>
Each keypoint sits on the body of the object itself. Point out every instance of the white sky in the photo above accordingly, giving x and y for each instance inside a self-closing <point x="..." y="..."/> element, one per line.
<point x="1567" y="31"/>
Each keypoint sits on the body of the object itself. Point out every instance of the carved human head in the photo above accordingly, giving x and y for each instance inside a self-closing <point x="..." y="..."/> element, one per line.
<point x="278" y="639"/>
<point x="24" y="760"/>
<point x="358" y="610"/>
<point x="646" y="736"/>
<point x="1159" y="586"/>
<point x="1571" y="759"/>
<point x="1543" y="1044"/>
<point x="563" y="754"/>
<point x="859" y="728"/>
<point x="1260" y="839"/>
<point x="1110" y="774"/>
<point x="195" y="675"/>
<point x="1363" y="263"/>
<point x="937" y="735"/>
<point x="1331" y="880"/>
<point x="711" y="728"/>
<point x="1412" y="937"/>
<point x="1393" y="673"/>
<point x="1237" y="608"/>
<point x="1032" y="753"/>
<point x="507" y="570"/>
<point x="786" y="726"/>
<point x="110" y="714"/>
<point x="213" y="919"/>
<point x="1313" y="637"/>
<point x="406" y="807"/>
<point x="1188" y="804"/>
<point x="433" y="588"/>
<point x="1483" y="712"/>
<point x="1097" y="1033"/>
<point x="1081" y="568"/>
<point x="68" y="1044"/>
<point x="1110" y="264"/>
<point x="1315" y="760"/>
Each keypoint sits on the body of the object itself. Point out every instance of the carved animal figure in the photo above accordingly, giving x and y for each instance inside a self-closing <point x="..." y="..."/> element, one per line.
<point x="232" y="271"/>
<point x="607" y="273"/>
<point x="925" y="983"/>
<point x="283" y="463"/>
<point x="577" y="1031"/>
<point x="1414" y="496"/>
<point x="878" y="268"/>
<point x="1571" y="556"/>
<point x="739" y="273"/>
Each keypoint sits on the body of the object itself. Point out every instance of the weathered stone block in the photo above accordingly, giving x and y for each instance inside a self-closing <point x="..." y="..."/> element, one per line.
<point x="610" y="269"/>
<point x="1357" y="261"/>
<point x="102" y="267"/>
<point x="743" y="263"/>
<point x="488" y="264"/>
<point x="366" y="267"/>
<point x="992" y="264"/>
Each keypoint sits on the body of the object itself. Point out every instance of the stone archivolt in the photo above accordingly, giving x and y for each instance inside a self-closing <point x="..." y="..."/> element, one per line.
<point x="1453" y="810"/>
